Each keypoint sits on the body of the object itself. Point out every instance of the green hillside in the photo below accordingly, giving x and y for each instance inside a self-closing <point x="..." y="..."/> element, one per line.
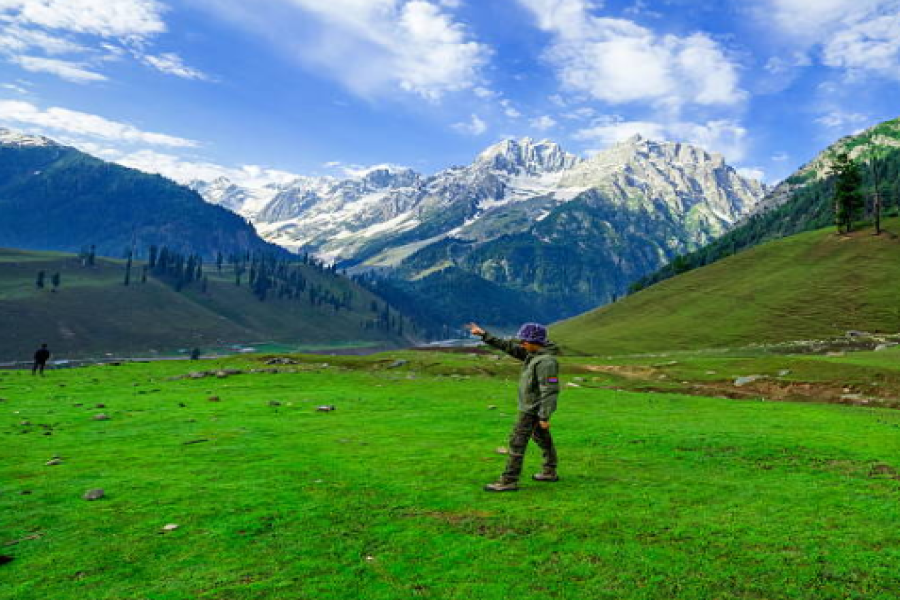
<point x="93" y="313"/>
<point x="54" y="197"/>
<point x="805" y="200"/>
<point x="809" y="286"/>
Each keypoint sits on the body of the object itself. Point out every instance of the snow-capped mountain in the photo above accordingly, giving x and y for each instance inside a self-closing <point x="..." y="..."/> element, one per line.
<point x="624" y="212"/>
<point x="384" y="214"/>
<point x="17" y="139"/>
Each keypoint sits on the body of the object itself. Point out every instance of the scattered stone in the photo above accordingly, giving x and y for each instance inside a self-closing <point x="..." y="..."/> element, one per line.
<point x="411" y="376"/>
<point x="784" y="372"/>
<point x="881" y="347"/>
<point x="748" y="379"/>
<point x="214" y="399"/>
<point x="492" y="407"/>
<point x="501" y="450"/>
<point x="101" y="417"/>
<point x="197" y="375"/>
<point x="182" y="405"/>
<point x="665" y="364"/>
<point x="854" y="333"/>
<point x="281" y="361"/>
<point x="325" y="408"/>
<point x="5" y="559"/>
<point x="79" y="404"/>
<point x="25" y="423"/>
<point x="712" y="372"/>
<point x="25" y="493"/>
<point x="48" y="433"/>
<point x="883" y="469"/>
<point x="100" y="406"/>
<point x="578" y="379"/>
<point x="852" y="397"/>
<point x="170" y="527"/>
<point x="574" y="385"/>
<point x="398" y="363"/>
<point x="194" y="442"/>
<point x="274" y="403"/>
<point x="834" y="354"/>
<point x="95" y="494"/>
<point x="53" y="462"/>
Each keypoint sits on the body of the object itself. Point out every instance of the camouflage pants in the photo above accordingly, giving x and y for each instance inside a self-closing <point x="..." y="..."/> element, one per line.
<point x="528" y="426"/>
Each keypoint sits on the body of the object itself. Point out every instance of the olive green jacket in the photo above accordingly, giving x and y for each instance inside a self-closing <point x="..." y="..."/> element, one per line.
<point x="539" y="381"/>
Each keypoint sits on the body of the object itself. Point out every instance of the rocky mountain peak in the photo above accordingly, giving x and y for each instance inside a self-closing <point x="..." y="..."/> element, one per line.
<point x="8" y="137"/>
<point x="526" y="157"/>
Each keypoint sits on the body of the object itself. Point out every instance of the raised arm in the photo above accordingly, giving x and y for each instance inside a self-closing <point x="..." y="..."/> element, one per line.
<point x="509" y="346"/>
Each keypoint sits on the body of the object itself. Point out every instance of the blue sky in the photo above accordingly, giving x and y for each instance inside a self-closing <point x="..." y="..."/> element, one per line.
<point x="258" y="90"/>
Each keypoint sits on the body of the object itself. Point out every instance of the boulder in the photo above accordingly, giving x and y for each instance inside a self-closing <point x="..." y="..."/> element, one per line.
<point x="94" y="494"/>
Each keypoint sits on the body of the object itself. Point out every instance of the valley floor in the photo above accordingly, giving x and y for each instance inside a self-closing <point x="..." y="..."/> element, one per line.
<point x="668" y="490"/>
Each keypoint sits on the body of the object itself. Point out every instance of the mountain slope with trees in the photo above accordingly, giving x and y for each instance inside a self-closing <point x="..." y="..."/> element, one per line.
<point x="53" y="197"/>
<point x="85" y="306"/>
<point x="806" y="200"/>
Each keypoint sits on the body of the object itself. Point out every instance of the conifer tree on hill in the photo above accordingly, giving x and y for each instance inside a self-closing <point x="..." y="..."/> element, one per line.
<point x="848" y="199"/>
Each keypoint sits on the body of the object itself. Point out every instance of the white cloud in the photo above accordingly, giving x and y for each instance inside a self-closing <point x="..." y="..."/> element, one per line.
<point x="838" y="119"/>
<point x="373" y="47"/>
<point x="105" y="18"/>
<point x="15" y="88"/>
<point x="172" y="64"/>
<point x="780" y="156"/>
<point x="873" y="45"/>
<point x="756" y="173"/>
<point x="55" y="119"/>
<point x="474" y="127"/>
<point x="483" y="92"/>
<point x="618" y="61"/>
<point x="509" y="110"/>
<point x="726" y="137"/>
<point x="857" y="35"/>
<point x="185" y="170"/>
<point x="70" y="71"/>
<point x="90" y="32"/>
<point x="543" y="123"/>
<point x="15" y="39"/>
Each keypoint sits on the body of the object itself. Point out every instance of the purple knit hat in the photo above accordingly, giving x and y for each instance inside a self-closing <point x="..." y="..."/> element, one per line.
<point x="534" y="333"/>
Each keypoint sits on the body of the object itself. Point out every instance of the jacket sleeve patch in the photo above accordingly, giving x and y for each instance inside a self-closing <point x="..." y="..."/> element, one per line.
<point x="553" y="380"/>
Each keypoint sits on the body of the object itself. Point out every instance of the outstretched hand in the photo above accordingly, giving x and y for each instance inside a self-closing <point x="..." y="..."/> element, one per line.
<point x="475" y="329"/>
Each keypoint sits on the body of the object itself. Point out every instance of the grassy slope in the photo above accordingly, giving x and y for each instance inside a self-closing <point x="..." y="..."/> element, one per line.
<point x="807" y="286"/>
<point x="663" y="496"/>
<point x="93" y="313"/>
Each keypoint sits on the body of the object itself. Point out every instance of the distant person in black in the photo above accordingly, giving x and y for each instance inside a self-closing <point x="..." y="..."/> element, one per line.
<point x="40" y="360"/>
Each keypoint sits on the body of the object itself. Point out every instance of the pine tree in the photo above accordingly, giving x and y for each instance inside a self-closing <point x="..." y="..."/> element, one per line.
<point x="847" y="195"/>
<point x="55" y="280"/>
<point x="39" y="282"/>
<point x="128" y="270"/>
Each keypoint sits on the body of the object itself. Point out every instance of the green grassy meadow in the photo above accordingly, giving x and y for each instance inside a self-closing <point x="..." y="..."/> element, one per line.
<point x="809" y="286"/>
<point x="663" y="494"/>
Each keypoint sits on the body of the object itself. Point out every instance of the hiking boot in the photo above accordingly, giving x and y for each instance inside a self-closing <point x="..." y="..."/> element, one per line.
<point x="502" y="486"/>
<point x="545" y="476"/>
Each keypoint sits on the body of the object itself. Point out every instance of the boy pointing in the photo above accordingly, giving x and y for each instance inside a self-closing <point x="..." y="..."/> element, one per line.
<point x="538" y="391"/>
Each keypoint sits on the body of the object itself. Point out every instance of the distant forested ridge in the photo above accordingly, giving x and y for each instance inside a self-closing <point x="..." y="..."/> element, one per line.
<point x="54" y="197"/>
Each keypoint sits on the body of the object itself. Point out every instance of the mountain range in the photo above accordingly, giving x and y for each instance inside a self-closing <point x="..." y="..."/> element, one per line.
<point x="525" y="217"/>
